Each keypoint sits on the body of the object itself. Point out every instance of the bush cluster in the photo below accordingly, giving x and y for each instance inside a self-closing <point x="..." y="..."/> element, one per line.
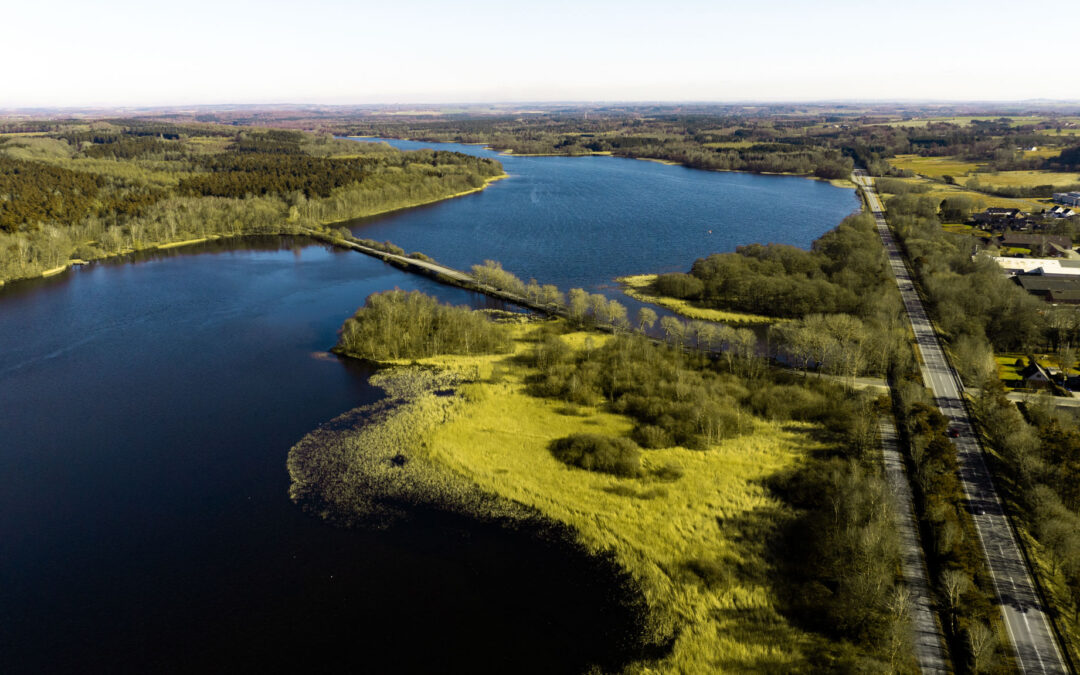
<point x="606" y="454"/>
<point x="410" y="325"/>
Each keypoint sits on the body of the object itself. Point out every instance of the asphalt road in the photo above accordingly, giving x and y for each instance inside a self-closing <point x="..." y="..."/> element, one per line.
<point x="927" y="638"/>
<point x="1025" y="617"/>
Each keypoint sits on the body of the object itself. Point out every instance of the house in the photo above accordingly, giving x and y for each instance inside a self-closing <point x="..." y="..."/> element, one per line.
<point x="1040" y="244"/>
<point x="1036" y="377"/>
<point x="1067" y="198"/>
<point x="1059" y="212"/>
<point x="998" y="219"/>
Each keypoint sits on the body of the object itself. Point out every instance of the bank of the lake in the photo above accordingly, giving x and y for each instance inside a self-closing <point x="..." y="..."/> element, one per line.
<point x="639" y="287"/>
<point x="324" y="227"/>
<point x="466" y="436"/>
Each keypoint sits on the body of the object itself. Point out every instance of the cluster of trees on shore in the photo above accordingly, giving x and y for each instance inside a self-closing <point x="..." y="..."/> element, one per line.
<point x="848" y="317"/>
<point x="85" y="193"/>
<point x="411" y="325"/>
<point x="842" y="272"/>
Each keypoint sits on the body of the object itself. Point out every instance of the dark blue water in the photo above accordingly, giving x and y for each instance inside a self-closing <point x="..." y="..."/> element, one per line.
<point x="147" y="410"/>
<point x="582" y="221"/>
<point x="147" y="407"/>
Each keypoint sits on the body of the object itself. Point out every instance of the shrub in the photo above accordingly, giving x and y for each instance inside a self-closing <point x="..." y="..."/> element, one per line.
<point x="618" y="456"/>
<point x="679" y="285"/>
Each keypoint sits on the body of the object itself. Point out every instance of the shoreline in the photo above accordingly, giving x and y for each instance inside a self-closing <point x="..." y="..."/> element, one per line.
<point x="843" y="183"/>
<point x="636" y="286"/>
<point x="490" y="436"/>
<point x="75" y="262"/>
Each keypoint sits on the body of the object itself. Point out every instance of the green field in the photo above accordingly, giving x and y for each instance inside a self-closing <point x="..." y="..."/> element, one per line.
<point x="959" y="228"/>
<point x="963" y="120"/>
<point x="940" y="191"/>
<point x="1027" y="178"/>
<point x="934" y="167"/>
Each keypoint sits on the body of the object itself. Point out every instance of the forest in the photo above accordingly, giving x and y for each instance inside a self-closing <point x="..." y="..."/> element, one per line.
<point x="82" y="191"/>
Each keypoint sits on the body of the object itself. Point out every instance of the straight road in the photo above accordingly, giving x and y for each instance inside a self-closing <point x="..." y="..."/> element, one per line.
<point x="928" y="639"/>
<point x="1025" y="617"/>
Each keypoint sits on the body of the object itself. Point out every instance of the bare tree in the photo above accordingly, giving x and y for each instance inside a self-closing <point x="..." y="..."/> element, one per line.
<point x="981" y="643"/>
<point x="646" y="318"/>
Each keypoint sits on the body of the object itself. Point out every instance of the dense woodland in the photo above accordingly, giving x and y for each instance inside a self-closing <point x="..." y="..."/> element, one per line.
<point x="84" y="191"/>
<point x="842" y="272"/>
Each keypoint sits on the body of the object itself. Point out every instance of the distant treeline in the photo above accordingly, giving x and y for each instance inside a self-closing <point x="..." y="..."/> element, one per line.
<point x="824" y="145"/>
<point x="88" y="190"/>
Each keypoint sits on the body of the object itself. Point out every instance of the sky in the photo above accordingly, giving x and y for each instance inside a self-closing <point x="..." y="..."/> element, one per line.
<point x="119" y="52"/>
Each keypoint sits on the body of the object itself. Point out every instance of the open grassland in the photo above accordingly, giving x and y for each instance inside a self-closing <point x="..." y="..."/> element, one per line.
<point x="638" y="287"/>
<point x="934" y="167"/>
<point x="1041" y="153"/>
<point x="940" y="191"/>
<point x="963" y="120"/>
<point x="960" y="228"/>
<point x="1027" y="178"/>
<point x="696" y="545"/>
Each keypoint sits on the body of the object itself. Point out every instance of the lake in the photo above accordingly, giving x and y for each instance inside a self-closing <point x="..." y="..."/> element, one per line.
<point x="149" y="405"/>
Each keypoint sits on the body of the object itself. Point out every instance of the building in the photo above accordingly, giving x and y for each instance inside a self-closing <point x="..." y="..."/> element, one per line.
<point x="1001" y="220"/>
<point x="1067" y="198"/>
<point x="1040" y="244"/>
<point x="1051" y="267"/>
<point x="1036" y="377"/>
<point x="1057" y="290"/>
<point x="1059" y="212"/>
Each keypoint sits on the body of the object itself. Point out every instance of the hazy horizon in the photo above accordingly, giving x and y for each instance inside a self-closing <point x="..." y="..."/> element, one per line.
<point x="420" y="52"/>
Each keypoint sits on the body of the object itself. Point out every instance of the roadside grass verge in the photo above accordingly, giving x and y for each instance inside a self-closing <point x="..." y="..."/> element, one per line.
<point x="638" y="287"/>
